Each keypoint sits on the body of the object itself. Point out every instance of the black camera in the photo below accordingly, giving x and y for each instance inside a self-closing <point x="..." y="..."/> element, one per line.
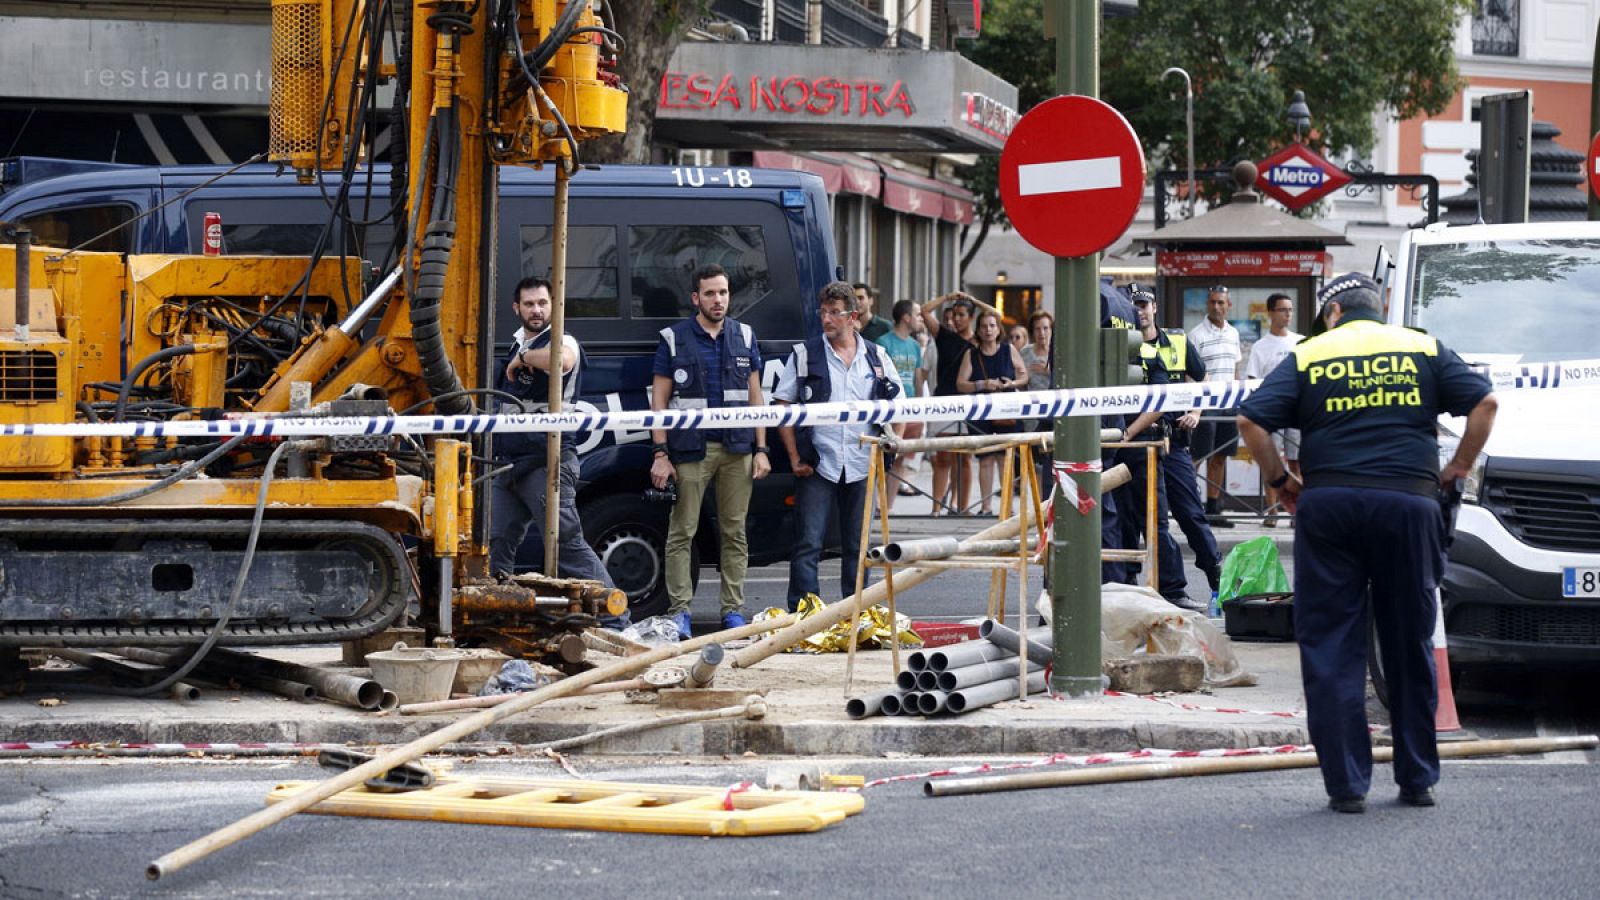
<point x="668" y="494"/>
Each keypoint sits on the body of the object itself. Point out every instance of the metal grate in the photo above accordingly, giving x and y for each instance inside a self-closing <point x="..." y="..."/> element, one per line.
<point x="1569" y="626"/>
<point x="27" y="376"/>
<point x="1553" y="515"/>
<point x="296" y="79"/>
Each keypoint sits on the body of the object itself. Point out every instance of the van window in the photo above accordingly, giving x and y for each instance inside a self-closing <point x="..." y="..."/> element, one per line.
<point x="665" y="258"/>
<point x="71" y="227"/>
<point x="591" y="267"/>
<point x="289" y="226"/>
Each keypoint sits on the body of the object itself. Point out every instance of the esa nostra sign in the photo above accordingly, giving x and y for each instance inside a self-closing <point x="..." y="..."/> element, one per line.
<point x="1298" y="176"/>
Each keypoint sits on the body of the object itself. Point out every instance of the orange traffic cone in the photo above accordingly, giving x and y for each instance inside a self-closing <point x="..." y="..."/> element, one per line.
<point x="1445" y="720"/>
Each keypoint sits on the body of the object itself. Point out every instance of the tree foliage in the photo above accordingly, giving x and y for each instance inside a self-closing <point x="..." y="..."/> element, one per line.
<point x="1353" y="59"/>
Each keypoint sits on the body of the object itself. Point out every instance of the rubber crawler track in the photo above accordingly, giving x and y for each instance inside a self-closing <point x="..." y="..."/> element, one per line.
<point x="385" y="552"/>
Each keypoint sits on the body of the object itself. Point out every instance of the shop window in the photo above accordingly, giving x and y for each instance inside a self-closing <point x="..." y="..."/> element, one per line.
<point x="591" y="267"/>
<point x="110" y="226"/>
<point x="1496" y="27"/>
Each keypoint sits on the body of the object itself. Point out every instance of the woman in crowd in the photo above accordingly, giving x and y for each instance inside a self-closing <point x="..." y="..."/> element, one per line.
<point x="991" y="365"/>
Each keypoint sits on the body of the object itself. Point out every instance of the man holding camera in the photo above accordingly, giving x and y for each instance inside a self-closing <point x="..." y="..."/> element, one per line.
<point x="829" y="461"/>
<point x="706" y="361"/>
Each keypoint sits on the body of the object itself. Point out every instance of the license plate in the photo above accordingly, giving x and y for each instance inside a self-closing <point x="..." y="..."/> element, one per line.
<point x="1577" y="582"/>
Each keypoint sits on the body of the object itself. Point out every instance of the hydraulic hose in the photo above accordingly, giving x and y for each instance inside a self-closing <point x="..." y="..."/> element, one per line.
<point x="439" y="237"/>
<point x="162" y="355"/>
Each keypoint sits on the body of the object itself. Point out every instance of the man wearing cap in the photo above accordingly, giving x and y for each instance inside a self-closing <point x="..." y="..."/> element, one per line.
<point x="1167" y="359"/>
<point x="1217" y="342"/>
<point x="1366" y="397"/>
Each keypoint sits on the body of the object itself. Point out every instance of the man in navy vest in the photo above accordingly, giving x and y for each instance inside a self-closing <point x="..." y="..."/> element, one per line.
<point x="829" y="461"/>
<point x="708" y="360"/>
<point x="517" y="498"/>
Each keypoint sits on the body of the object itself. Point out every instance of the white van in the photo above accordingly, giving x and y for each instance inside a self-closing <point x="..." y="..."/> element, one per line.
<point x="1523" y="580"/>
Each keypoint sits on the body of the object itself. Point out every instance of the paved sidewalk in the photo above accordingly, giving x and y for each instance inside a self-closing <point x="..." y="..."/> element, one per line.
<point x="805" y="697"/>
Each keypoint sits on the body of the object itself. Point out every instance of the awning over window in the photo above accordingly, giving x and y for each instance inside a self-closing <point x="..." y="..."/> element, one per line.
<point x="848" y="173"/>
<point x="922" y="196"/>
<point x="840" y="172"/>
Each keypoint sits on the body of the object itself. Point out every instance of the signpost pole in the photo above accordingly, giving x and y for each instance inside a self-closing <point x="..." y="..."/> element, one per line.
<point x="1075" y="545"/>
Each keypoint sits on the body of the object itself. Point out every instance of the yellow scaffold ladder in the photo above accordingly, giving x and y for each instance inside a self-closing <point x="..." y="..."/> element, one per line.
<point x="594" y="806"/>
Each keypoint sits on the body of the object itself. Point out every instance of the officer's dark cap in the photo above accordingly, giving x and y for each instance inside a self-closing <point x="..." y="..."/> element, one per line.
<point x="1138" y="293"/>
<point x="1347" y="282"/>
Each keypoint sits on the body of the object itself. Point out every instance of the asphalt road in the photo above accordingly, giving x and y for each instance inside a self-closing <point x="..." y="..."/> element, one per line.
<point x="1523" y="827"/>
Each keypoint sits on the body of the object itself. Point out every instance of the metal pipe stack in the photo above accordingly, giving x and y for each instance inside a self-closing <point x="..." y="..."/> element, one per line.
<point x="956" y="679"/>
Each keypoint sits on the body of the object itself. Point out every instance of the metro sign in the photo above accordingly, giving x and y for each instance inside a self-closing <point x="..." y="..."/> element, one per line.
<point x="1297" y="176"/>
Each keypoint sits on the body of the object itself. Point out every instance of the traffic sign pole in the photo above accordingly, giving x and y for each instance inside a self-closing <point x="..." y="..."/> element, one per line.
<point x="1075" y="545"/>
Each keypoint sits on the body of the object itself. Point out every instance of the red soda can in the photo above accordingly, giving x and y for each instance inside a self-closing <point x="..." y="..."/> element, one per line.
<point x="213" y="234"/>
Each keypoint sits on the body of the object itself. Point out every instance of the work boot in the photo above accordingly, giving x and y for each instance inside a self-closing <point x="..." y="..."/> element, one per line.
<point x="1423" y="797"/>
<point x="685" y="628"/>
<point x="732" y="620"/>
<point x="1354" y="805"/>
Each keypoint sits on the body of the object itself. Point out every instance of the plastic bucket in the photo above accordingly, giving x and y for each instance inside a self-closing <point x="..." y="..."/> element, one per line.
<point x="417" y="675"/>
<point x="477" y="667"/>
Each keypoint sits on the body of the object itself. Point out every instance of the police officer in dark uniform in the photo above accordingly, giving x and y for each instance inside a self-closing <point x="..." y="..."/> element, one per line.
<point x="1366" y="397"/>
<point x="1115" y="312"/>
<point x="1166" y="359"/>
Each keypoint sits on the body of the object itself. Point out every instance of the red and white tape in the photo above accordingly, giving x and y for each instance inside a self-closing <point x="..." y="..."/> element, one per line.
<point x="145" y="748"/>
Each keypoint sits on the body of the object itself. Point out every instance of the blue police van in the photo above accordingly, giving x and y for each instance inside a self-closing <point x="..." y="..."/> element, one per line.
<point x="635" y="236"/>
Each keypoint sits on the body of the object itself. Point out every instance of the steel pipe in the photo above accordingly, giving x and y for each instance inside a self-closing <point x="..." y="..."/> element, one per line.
<point x="927" y="680"/>
<point x="966" y="653"/>
<point x="704" y="668"/>
<point x="1039" y="651"/>
<point x="989" y="693"/>
<point x="910" y="703"/>
<point x="869" y="705"/>
<point x="917" y="660"/>
<point x="1179" y="768"/>
<point x="907" y="680"/>
<point x="931" y="703"/>
<point x="351" y="690"/>
<point x="24" y="300"/>
<point x="979" y="673"/>
<point x="892" y="703"/>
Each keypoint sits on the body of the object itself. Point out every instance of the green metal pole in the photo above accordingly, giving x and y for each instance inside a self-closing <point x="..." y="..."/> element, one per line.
<point x="1594" y="128"/>
<point x="1075" y="545"/>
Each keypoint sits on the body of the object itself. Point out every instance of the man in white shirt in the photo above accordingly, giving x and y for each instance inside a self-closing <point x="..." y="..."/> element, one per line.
<point x="1274" y="346"/>
<point x="1216" y="438"/>
<point x="829" y="461"/>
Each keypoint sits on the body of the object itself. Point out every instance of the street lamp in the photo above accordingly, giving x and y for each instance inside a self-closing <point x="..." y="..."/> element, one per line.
<point x="1188" y="119"/>
<point x="1299" y="114"/>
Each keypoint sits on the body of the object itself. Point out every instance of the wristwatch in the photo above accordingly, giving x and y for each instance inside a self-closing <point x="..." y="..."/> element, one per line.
<point x="661" y="450"/>
<point x="1280" y="481"/>
<point x="764" y="450"/>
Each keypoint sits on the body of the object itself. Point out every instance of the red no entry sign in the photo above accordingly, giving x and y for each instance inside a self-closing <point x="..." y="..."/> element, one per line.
<point x="1071" y="176"/>
<point x="1593" y="166"/>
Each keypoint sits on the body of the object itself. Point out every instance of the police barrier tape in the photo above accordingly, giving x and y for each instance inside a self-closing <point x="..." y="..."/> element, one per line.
<point x="1132" y="400"/>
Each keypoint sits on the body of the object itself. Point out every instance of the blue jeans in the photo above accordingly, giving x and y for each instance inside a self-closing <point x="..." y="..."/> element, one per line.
<point x="815" y="499"/>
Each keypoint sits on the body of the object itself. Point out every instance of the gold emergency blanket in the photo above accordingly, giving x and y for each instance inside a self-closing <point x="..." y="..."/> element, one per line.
<point x="874" y="631"/>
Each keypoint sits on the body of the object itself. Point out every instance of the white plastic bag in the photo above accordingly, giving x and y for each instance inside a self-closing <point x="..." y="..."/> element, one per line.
<point x="1136" y="620"/>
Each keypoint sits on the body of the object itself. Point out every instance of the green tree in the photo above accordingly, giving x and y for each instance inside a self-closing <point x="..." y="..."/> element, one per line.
<point x="1353" y="58"/>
